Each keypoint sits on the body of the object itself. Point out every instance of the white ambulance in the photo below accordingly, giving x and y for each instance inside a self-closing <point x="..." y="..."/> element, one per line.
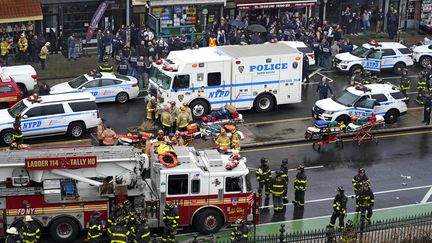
<point x="259" y="76"/>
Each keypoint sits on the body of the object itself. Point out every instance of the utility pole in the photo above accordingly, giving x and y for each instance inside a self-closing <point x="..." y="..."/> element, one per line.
<point x="324" y="9"/>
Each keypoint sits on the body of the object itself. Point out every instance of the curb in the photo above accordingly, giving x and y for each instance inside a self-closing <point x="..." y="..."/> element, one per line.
<point x="299" y="140"/>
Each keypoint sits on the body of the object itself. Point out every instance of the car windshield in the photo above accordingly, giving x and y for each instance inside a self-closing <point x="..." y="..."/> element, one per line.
<point x="161" y="79"/>
<point x="78" y="81"/>
<point x="346" y="98"/>
<point x="122" y="77"/>
<point x="17" y="109"/>
<point x="360" y="51"/>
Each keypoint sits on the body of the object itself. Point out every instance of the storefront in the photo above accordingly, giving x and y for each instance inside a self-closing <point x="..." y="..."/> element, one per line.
<point x="186" y="16"/>
<point x="426" y="15"/>
<point x="254" y="8"/>
<point x="18" y="16"/>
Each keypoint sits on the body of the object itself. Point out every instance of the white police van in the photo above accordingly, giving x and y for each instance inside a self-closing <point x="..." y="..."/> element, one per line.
<point x="382" y="99"/>
<point x="375" y="56"/>
<point x="259" y="76"/>
<point x="423" y="55"/>
<point x="49" y="115"/>
<point x="105" y="86"/>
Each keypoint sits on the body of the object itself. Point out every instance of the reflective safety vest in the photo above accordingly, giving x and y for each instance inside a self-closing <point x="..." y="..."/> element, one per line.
<point x="366" y="198"/>
<point x="43" y="53"/>
<point x="163" y="148"/>
<point x="17" y="134"/>
<point x="4" y="48"/>
<point x="300" y="182"/>
<point x="31" y="233"/>
<point x="223" y="142"/>
<point x="170" y="218"/>
<point x="150" y="108"/>
<point x="166" y="119"/>
<point x="263" y="174"/>
<point x="421" y="84"/>
<point x="357" y="182"/>
<point x="405" y="84"/>
<point x="22" y="44"/>
<point x="183" y="119"/>
<point x="212" y="41"/>
<point x="239" y="233"/>
<point x="106" y="67"/>
<point x="235" y="141"/>
<point x="339" y="204"/>
<point x="95" y="229"/>
<point x="277" y="186"/>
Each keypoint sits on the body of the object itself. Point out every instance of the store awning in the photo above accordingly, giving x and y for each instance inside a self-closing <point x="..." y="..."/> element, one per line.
<point x="266" y="4"/>
<point x="158" y="3"/>
<point x="20" y="11"/>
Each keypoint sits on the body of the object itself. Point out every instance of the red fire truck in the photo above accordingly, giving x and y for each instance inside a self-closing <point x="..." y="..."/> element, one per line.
<point x="62" y="187"/>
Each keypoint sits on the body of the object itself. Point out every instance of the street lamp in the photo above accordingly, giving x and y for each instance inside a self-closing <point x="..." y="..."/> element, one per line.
<point x="324" y="9"/>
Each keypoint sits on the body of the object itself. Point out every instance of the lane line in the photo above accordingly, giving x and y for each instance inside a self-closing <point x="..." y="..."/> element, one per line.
<point x="426" y="197"/>
<point x="331" y="80"/>
<point x="375" y="193"/>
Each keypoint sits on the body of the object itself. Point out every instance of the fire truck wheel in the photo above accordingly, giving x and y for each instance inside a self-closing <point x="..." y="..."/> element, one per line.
<point x="64" y="230"/>
<point x="208" y="221"/>
<point x="6" y="137"/>
<point x="76" y="129"/>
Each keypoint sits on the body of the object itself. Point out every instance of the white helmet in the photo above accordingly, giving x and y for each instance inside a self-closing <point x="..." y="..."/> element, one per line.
<point x="12" y="231"/>
<point x="47" y="43"/>
<point x="28" y="218"/>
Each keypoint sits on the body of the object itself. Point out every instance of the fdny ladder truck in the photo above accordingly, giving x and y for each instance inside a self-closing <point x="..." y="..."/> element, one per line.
<point x="62" y="187"/>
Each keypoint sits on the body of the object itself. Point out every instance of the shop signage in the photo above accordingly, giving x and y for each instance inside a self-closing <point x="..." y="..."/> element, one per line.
<point x="52" y="163"/>
<point x="255" y="4"/>
<point x="154" y="3"/>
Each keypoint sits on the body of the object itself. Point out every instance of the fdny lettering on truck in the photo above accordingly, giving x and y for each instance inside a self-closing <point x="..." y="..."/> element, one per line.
<point x="25" y="211"/>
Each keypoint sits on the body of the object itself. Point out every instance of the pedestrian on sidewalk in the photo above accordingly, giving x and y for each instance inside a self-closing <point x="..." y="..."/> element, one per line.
<point x="366" y="21"/>
<point x="71" y="47"/>
<point x="380" y="21"/>
<point x="427" y="109"/>
<point x="43" y="54"/>
<point x="323" y="89"/>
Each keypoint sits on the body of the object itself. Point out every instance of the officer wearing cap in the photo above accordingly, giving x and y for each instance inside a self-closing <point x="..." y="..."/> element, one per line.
<point x="263" y="176"/>
<point x="30" y="231"/>
<point x="284" y="169"/>
<point x="277" y="189"/>
<point x="240" y="232"/>
<point x="357" y="183"/>
<point x="94" y="233"/>
<point x="13" y="235"/>
<point x="300" y="187"/>
<point x="339" y="208"/>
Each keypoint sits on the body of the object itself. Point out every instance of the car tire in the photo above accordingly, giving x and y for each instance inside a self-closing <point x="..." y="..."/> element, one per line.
<point x="76" y="129"/>
<point x="122" y="98"/>
<point x="398" y="68"/>
<point x="23" y="90"/>
<point x="199" y="109"/>
<point x="345" y="119"/>
<point x="425" y="60"/>
<point x="208" y="221"/>
<point x="264" y="103"/>
<point x="354" y="68"/>
<point x="64" y="230"/>
<point x="391" y="116"/>
<point x="6" y="137"/>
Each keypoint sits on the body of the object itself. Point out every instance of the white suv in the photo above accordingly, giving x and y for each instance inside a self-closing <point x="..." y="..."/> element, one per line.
<point x="51" y="115"/>
<point x="375" y="57"/>
<point x="382" y="99"/>
<point x="423" y="55"/>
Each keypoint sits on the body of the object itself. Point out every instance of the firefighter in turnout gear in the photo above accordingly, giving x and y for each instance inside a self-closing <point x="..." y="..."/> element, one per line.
<point x="405" y="83"/>
<point x="142" y="231"/>
<point x="300" y="186"/>
<point x="421" y="87"/>
<point x="235" y="140"/>
<point x="94" y="233"/>
<point x="105" y="66"/>
<point x="13" y="235"/>
<point x="339" y="208"/>
<point x="357" y="183"/>
<point x="240" y="232"/>
<point x="182" y="120"/>
<point x="152" y="109"/>
<point x="30" y="232"/>
<point x="263" y="176"/>
<point x="223" y="142"/>
<point x="366" y="201"/>
<point x="348" y="235"/>
<point x="170" y="218"/>
<point x="277" y="189"/>
<point x="284" y="169"/>
<point x="166" y="121"/>
<point x="119" y="232"/>
<point x="357" y="78"/>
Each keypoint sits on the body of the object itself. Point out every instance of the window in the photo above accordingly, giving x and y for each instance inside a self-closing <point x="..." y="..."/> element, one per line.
<point x="366" y="103"/>
<point x="92" y="84"/>
<point x="397" y="95"/>
<point x="6" y="89"/>
<point x="375" y="55"/>
<point x="388" y="52"/>
<point x="200" y="77"/>
<point x="214" y="79"/>
<point x="83" y="106"/>
<point x="405" y="51"/>
<point x="108" y="82"/>
<point x="195" y="186"/>
<point x="178" y="184"/>
<point x="75" y="83"/>
<point x="181" y="82"/>
<point x="52" y="110"/>
<point x="233" y="184"/>
<point x="379" y="97"/>
<point x="33" y="112"/>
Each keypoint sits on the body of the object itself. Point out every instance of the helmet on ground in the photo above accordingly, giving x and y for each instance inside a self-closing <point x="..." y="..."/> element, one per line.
<point x="300" y="167"/>
<point x="340" y="189"/>
<point x="12" y="231"/>
<point x="264" y="160"/>
<point x="362" y="170"/>
<point x="285" y="161"/>
<point x="28" y="218"/>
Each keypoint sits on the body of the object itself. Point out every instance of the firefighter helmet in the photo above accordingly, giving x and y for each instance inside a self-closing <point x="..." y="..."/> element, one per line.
<point x="285" y="161"/>
<point x="362" y="170"/>
<point x="300" y="168"/>
<point x="240" y="221"/>
<point x="169" y="206"/>
<point x="340" y="189"/>
<point x="264" y="160"/>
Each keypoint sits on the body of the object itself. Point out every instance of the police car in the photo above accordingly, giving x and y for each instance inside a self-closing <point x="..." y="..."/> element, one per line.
<point x="303" y="48"/>
<point x="423" y="55"/>
<point x="51" y="115"/>
<point x="105" y="86"/>
<point x="382" y="99"/>
<point x="375" y="56"/>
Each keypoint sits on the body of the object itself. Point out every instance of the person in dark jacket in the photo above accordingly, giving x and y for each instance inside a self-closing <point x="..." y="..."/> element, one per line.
<point x="142" y="231"/>
<point x="339" y="208"/>
<point x="44" y="89"/>
<point x="52" y="38"/>
<point x="13" y="235"/>
<point x="323" y="89"/>
<point x="123" y="67"/>
<point x="427" y="109"/>
<point x="95" y="228"/>
<point x="305" y="71"/>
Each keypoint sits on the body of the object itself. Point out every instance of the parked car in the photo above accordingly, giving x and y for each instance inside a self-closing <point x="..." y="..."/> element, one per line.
<point x="25" y="77"/>
<point x="9" y="92"/>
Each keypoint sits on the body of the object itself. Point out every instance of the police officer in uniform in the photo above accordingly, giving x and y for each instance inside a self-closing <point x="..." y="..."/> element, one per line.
<point x="263" y="176"/>
<point x="277" y="189"/>
<point x="300" y="186"/>
<point x="357" y="183"/>
<point x="170" y="218"/>
<point x="105" y="66"/>
<point x="123" y="67"/>
<point x="339" y="208"/>
<point x="405" y="83"/>
<point x="240" y="232"/>
<point x="142" y="231"/>
<point x="94" y="233"/>
<point x="166" y="120"/>
<point x="366" y="202"/>
<point x="30" y="232"/>
<point x="284" y="169"/>
<point x="119" y="232"/>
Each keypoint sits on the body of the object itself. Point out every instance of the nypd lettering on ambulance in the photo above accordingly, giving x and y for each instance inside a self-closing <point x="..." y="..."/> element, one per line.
<point x="375" y="57"/>
<point x="104" y="86"/>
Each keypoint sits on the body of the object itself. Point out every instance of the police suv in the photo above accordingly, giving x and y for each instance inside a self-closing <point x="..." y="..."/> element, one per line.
<point x="105" y="86"/>
<point x="382" y="99"/>
<point x="423" y="55"/>
<point x="51" y="115"/>
<point x="375" y="56"/>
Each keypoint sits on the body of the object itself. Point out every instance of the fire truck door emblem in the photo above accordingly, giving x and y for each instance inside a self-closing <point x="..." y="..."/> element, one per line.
<point x="216" y="182"/>
<point x="234" y="201"/>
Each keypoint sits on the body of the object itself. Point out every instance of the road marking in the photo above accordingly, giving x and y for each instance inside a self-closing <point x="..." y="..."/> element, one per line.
<point x="375" y="193"/>
<point x="426" y="197"/>
<point x="293" y="169"/>
<point x="345" y="140"/>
